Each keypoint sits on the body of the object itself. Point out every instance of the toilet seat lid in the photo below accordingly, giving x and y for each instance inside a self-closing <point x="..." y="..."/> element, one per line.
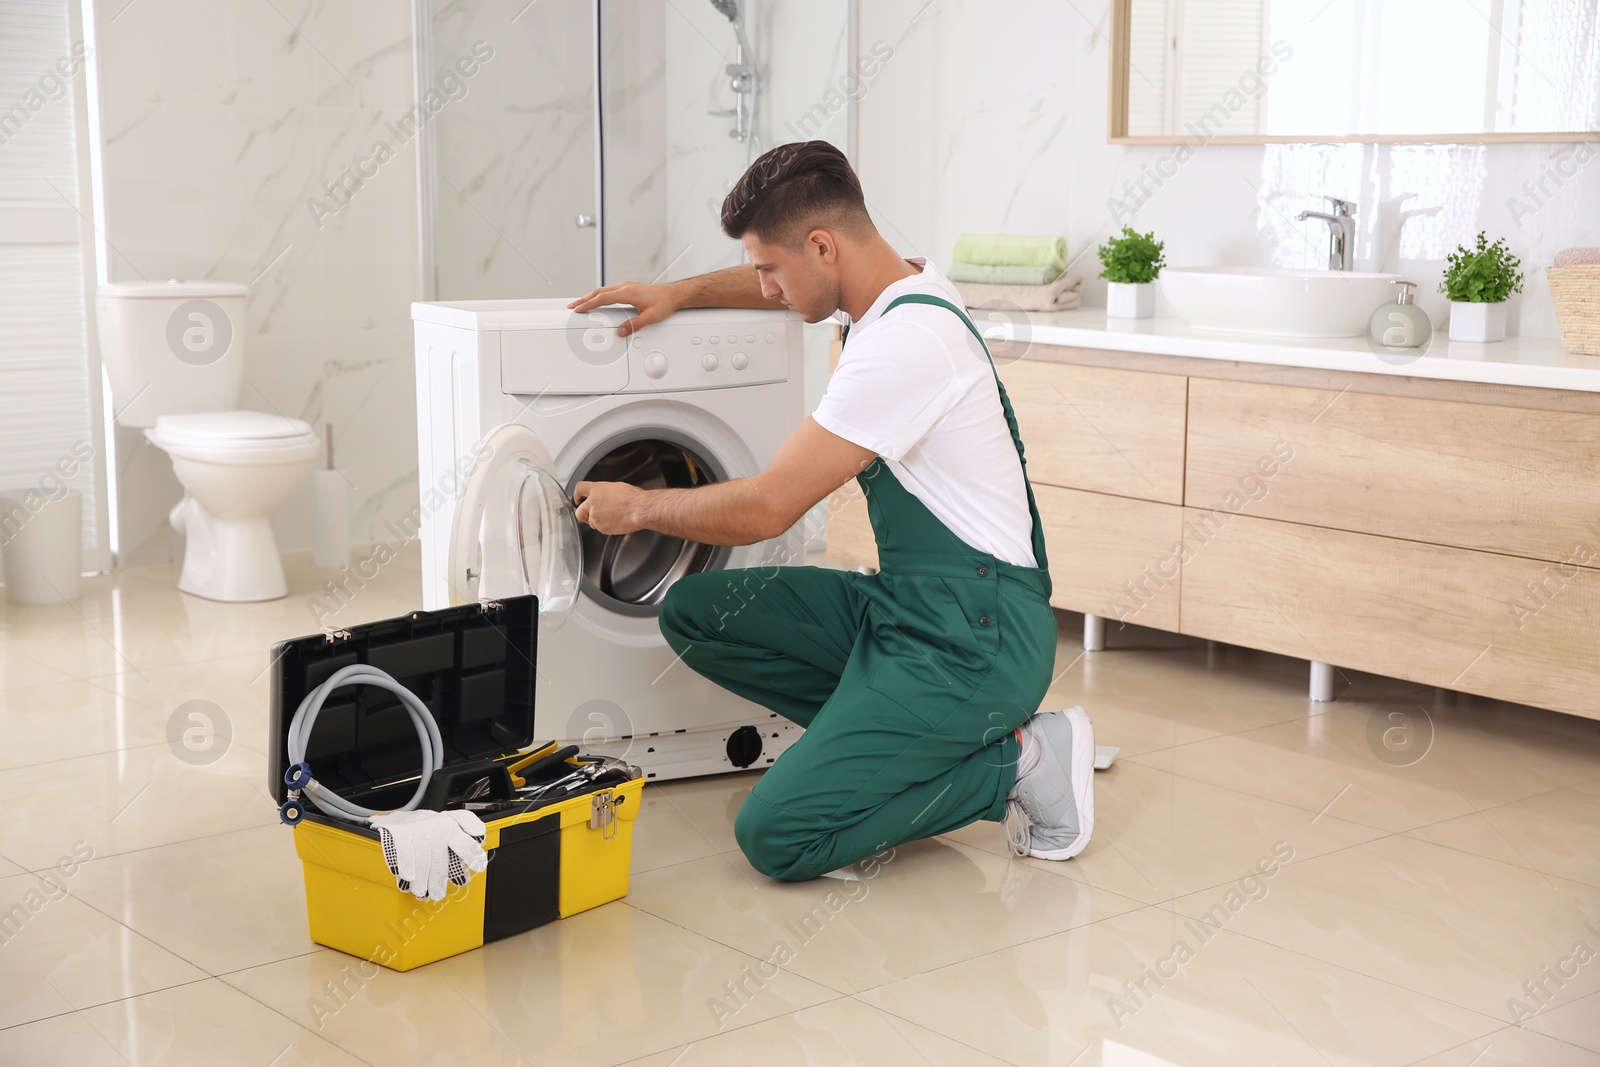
<point x="224" y="429"/>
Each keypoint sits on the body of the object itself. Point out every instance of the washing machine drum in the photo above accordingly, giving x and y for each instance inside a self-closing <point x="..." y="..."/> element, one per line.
<point x="631" y="573"/>
<point x="515" y="531"/>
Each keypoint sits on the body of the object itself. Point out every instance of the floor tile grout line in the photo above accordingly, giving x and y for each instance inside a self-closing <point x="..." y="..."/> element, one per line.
<point x="930" y="1029"/>
<point x="839" y="993"/>
<point x="150" y="848"/>
<point x="1499" y="1023"/>
<point x="1547" y="876"/>
<point x="1276" y="800"/>
<point x="1503" y="1028"/>
<point x="143" y="937"/>
<point x="734" y="1029"/>
<point x="1002" y="948"/>
<point x="1468" y="851"/>
<point x="1385" y="835"/>
<point x="1299" y="717"/>
<point x="1049" y="867"/>
<point x="1230" y="881"/>
<point x="1138" y="905"/>
<point x="731" y="948"/>
<point x="312" y="950"/>
<point x="1500" y="804"/>
<point x="292" y="1022"/>
<point x="1257" y="796"/>
<point x="83" y="755"/>
<point x="76" y="1010"/>
<point x="1496" y="1021"/>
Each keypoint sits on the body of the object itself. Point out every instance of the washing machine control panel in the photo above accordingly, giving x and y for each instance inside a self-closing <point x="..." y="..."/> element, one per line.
<point x="694" y="349"/>
<point x="671" y="355"/>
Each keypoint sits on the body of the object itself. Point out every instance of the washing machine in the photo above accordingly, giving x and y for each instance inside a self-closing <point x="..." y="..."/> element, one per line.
<point x="520" y="400"/>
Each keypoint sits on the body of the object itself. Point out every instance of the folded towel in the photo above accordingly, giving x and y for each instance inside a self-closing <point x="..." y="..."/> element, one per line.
<point x="1570" y="257"/>
<point x="1011" y="250"/>
<point x="1002" y="274"/>
<point x="1063" y="294"/>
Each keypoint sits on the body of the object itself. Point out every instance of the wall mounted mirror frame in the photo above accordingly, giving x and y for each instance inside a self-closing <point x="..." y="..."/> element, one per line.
<point x="1163" y="108"/>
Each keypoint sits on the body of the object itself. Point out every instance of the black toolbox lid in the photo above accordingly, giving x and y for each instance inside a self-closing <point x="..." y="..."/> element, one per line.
<point x="473" y="666"/>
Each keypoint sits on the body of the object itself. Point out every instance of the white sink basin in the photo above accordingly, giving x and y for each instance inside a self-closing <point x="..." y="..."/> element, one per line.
<point x="1279" y="303"/>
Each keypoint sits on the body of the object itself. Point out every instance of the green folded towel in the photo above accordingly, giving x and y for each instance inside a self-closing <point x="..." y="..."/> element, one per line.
<point x="1011" y="250"/>
<point x="1002" y="274"/>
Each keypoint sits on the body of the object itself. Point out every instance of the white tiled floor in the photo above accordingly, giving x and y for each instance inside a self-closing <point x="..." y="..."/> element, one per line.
<point x="1418" y="900"/>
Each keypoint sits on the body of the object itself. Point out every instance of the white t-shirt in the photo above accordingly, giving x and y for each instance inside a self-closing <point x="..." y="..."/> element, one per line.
<point x="916" y="388"/>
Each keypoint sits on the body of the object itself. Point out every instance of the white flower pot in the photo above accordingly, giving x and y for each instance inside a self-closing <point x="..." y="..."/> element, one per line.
<point x="1130" y="300"/>
<point x="1477" y="322"/>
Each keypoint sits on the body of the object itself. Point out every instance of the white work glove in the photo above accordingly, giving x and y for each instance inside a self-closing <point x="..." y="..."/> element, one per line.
<point x="427" y="851"/>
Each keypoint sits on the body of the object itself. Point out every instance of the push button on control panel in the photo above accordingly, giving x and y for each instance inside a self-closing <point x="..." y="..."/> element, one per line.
<point x="739" y="360"/>
<point x="655" y="364"/>
<point x="709" y="361"/>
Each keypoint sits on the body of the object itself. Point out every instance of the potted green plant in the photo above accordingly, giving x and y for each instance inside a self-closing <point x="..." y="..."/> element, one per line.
<point x="1479" y="281"/>
<point x="1132" y="263"/>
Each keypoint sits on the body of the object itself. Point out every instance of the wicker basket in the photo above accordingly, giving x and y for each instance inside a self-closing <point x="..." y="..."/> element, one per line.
<point x="1575" y="292"/>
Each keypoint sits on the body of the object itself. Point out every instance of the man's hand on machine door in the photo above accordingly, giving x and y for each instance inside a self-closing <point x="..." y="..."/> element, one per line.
<point x="655" y="302"/>
<point x="608" y="506"/>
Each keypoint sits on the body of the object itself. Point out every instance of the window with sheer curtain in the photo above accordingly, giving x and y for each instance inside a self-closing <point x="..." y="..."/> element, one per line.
<point x="48" y="397"/>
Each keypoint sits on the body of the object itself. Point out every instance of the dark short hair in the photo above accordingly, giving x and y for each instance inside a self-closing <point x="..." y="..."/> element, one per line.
<point x="790" y="190"/>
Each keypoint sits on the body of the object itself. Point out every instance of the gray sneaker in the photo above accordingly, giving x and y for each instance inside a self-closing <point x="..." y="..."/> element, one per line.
<point x="1057" y="796"/>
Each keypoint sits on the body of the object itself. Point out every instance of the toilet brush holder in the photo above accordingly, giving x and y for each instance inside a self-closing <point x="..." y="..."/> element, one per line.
<point x="331" y="504"/>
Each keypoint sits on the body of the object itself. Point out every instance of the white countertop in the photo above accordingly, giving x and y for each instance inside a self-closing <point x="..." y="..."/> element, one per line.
<point x="1539" y="362"/>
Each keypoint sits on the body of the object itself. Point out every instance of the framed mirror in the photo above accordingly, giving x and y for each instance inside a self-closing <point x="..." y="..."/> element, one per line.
<point x="1258" y="71"/>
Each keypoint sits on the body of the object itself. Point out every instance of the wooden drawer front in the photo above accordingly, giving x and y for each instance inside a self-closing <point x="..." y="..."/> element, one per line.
<point x="1108" y="431"/>
<point x="1480" y="622"/>
<point x="850" y="538"/>
<point x="1499" y="479"/>
<point x="1112" y="556"/>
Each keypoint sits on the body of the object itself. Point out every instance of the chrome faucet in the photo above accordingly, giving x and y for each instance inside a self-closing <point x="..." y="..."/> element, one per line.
<point x="1341" y="232"/>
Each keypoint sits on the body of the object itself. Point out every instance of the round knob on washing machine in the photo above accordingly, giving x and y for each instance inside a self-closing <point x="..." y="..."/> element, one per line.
<point x="709" y="361"/>
<point x="740" y="361"/>
<point x="655" y="364"/>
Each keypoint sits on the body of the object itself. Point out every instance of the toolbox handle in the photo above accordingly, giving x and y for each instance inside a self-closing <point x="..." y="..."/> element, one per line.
<point x="533" y="769"/>
<point x="449" y="781"/>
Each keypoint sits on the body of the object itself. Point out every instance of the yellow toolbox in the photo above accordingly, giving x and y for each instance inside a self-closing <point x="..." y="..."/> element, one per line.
<point x="473" y="666"/>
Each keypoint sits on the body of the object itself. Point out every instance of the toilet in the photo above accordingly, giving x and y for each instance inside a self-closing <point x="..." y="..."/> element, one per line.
<point x="174" y="355"/>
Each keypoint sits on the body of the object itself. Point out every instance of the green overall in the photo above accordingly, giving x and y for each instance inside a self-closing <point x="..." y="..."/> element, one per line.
<point x="909" y="682"/>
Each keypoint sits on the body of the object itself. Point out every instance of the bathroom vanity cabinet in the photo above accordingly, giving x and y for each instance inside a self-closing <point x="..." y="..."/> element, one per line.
<point x="1441" y="531"/>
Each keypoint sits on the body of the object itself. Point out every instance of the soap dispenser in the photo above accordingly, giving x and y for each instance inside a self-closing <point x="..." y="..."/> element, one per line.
<point x="1401" y="324"/>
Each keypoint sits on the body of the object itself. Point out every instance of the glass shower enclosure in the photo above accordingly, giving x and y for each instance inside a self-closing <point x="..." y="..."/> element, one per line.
<point x="569" y="143"/>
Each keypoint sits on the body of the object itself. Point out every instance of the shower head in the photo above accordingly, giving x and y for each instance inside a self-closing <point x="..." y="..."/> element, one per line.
<point x="729" y="9"/>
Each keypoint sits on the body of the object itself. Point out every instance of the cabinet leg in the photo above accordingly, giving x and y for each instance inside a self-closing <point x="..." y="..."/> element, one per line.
<point x="1321" y="682"/>
<point x="1094" y="633"/>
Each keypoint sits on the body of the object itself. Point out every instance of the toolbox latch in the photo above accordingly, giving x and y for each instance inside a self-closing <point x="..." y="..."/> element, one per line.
<point x="603" y="814"/>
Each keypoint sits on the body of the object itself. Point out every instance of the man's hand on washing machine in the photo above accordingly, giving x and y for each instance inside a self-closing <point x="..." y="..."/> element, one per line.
<point x="609" y="507"/>
<point x="655" y="302"/>
<point x="730" y="287"/>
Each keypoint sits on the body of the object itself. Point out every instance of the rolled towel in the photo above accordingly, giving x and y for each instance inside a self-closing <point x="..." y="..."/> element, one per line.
<point x="1011" y="250"/>
<point x="1002" y="274"/>
<point x="1570" y="257"/>
<point x="1063" y="294"/>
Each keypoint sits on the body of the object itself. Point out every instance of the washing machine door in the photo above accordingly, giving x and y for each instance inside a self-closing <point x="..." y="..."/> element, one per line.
<point x="515" y="529"/>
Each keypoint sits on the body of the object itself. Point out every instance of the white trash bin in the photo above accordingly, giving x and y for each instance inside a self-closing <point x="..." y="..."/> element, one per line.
<point x="41" y="546"/>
